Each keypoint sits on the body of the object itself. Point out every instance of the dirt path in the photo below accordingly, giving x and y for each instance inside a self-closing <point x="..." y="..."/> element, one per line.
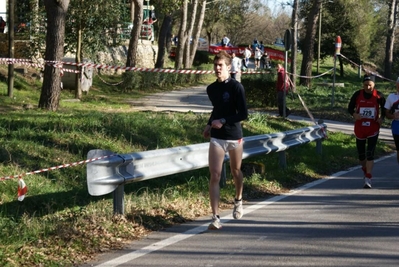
<point x="192" y="99"/>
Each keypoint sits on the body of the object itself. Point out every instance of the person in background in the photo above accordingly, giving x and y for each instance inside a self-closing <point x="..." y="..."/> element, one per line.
<point x="247" y="56"/>
<point x="255" y="44"/>
<point x="2" y="25"/>
<point x="225" y="41"/>
<point x="282" y="86"/>
<point x="392" y="112"/>
<point x="367" y="108"/>
<point x="235" y="67"/>
<point x="152" y="17"/>
<point x="175" y="40"/>
<point x="257" y="57"/>
<point x="225" y="132"/>
<point x="262" y="47"/>
<point x="265" y="64"/>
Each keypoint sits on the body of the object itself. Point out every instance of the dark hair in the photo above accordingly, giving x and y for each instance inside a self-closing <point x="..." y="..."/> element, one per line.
<point x="223" y="55"/>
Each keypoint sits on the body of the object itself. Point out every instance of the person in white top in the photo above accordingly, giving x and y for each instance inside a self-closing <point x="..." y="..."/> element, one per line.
<point x="225" y="41"/>
<point x="247" y="55"/>
<point x="258" y="55"/>
<point x="235" y="67"/>
<point x="392" y="112"/>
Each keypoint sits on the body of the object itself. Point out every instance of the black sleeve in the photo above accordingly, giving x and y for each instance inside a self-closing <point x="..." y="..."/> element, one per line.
<point x="210" y="119"/>
<point x="352" y="103"/>
<point x="382" y="101"/>
<point x="241" y="106"/>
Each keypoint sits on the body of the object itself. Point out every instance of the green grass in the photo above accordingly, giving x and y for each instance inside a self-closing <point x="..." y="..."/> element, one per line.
<point x="60" y="224"/>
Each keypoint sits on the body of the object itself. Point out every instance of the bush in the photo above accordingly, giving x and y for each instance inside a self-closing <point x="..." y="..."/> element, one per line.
<point x="152" y="81"/>
<point x="202" y="57"/>
<point x="260" y="89"/>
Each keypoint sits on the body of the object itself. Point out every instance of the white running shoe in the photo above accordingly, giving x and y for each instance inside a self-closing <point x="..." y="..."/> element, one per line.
<point x="367" y="183"/>
<point x="238" y="211"/>
<point x="215" y="224"/>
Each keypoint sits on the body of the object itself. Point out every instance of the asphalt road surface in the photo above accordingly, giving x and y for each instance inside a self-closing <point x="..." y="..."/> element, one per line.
<point x="330" y="222"/>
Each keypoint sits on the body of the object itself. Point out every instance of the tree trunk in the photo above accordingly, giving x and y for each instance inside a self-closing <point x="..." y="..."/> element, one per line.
<point x="341" y="67"/>
<point x="197" y="33"/>
<point x="11" y="48"/>
<point x="164" y="36"/>
<point x="308" y="46"/>
<point x="390" y="38"/>
<point x="294" y="50"/>
<point x="189" y="34"/>
<point x="182" y="37"/>
<point x="78" y="90"/>
<point x="135" y="34"/>
<point x="209" y="36"/>
<point x="51" y="90"/>
<point x="169" y="37"/>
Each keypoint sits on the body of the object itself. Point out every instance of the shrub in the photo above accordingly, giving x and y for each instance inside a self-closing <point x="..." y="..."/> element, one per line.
<point x="202" y="57"/>
<point x="152" y="81"/>
<point x="260" y="89"/>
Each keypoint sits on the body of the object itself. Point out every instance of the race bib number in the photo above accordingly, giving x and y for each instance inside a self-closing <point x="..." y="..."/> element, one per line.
<point x="367" y="113"/>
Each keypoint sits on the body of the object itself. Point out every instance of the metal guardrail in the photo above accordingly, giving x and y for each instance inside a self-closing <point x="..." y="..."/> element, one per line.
<point x="109" y="175"/>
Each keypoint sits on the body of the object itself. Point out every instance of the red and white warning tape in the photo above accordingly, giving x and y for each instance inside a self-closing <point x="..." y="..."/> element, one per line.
<point x="23" y="189"/>
<point x="56" y="167"/>
<point x="59" y="64"/>
<point x="28" y="62"/>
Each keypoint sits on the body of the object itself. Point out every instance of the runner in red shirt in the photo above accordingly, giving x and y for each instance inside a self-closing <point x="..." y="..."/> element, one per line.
<point x="367" y="108"/>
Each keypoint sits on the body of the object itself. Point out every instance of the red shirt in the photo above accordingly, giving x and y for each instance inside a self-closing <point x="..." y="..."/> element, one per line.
<point x="280" y="81"/>
<point x="368" y="108"/>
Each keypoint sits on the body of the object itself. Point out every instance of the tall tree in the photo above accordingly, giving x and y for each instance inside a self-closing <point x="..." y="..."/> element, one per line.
<point x="390" y="40"/>
<point x="197" y="33"/>
<point x="233" y="18"/>
<point x="309" y="41"/>
<point x="164" y="36"/>
<point x="294" y="48"/>
<point x="89" y="29"/>
<point x="86" y="35"/>
<point x="56" y="11"/>
<point x="189" y="33"/>
<point x="360" y="33"/>
<point x="181" y="36"/>
<point x="135" y="34"/>
<point x="168" y="14"/>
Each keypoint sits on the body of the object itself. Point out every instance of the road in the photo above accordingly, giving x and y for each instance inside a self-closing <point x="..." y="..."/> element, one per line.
<point x="329" y="222"/>
<point x="196" y="100"/>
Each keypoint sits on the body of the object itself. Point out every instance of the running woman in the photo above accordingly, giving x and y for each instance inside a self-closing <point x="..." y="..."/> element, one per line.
<point x="367" y="108"/>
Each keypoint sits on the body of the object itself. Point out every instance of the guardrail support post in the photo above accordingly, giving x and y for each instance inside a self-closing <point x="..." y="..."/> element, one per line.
<point x="282" y="159"/>
<point x="119" y="195"/>
<point x="318" y="147"/>
<point x="222" y="182"/>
